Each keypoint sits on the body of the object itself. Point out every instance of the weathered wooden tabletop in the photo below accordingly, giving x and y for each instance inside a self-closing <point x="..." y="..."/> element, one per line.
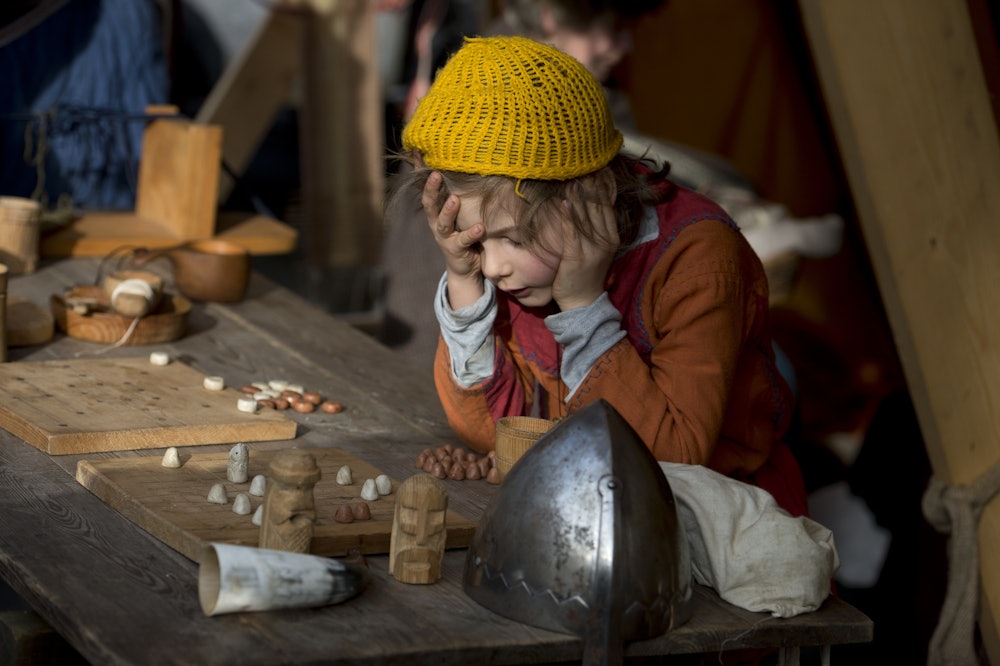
<point x="121" y="596"/>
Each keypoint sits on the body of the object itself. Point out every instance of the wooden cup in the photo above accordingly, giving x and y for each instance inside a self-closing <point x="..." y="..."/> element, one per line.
<point x="20" y="225"/>
<point x="514" y="436"/>
<point x="212" y="270"/>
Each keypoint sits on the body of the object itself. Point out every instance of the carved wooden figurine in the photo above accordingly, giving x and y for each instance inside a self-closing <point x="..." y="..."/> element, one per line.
<point x="289" y="504"/>
<point x="418" y="537"/>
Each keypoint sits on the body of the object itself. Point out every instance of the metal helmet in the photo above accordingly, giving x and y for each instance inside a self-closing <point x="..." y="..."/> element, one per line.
<point x="583" y="538"/>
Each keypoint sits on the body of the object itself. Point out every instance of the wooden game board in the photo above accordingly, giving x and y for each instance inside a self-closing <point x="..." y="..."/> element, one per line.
<point x="119" y="404"/>
<point x="172" y="505"/>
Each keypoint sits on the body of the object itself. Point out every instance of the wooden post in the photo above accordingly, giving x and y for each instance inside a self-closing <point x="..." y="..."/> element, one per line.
<point x="341" y="142"/>
<point x="905" y="89"/>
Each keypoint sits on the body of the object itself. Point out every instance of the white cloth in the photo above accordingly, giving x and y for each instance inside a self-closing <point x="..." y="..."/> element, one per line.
<point x="747" y="548"/>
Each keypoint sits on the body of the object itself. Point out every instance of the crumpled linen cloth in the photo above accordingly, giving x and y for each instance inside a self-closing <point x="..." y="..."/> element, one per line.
<point x="747" y="548"/>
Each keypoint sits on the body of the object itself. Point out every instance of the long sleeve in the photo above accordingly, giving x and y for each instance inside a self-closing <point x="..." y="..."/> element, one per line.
<point x="706" y="393"/>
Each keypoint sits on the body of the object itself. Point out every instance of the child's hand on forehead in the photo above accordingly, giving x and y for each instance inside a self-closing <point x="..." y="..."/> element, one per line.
<point x="460" y="248"/>
<point x="585" y="263"/>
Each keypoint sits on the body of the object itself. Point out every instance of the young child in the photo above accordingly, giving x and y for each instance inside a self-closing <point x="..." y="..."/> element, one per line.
<point x="575" y="272"/>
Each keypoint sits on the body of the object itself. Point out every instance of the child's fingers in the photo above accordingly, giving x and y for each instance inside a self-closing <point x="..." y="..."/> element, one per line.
<point x="431" y="192"/>
<point x="592" y="207"/>
<point x="471" y="236"/>
<point x="447" y="215"/>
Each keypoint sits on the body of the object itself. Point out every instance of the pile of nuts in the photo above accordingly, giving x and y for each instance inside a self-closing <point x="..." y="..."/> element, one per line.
<point x="457" y="464"/>
<point x="280" y="395"/>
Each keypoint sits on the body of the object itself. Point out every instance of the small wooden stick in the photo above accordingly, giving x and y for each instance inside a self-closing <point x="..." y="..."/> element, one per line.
<point x="3" y="313"/>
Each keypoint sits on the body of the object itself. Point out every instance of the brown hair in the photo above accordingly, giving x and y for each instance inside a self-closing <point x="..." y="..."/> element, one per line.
<point x="535" y="203"/>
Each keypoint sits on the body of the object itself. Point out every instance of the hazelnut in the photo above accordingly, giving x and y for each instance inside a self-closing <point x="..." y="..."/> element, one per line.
<point x="303" y="407"/>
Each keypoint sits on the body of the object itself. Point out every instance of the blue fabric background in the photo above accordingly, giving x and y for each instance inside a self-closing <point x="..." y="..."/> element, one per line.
<point x="92" y="67"/>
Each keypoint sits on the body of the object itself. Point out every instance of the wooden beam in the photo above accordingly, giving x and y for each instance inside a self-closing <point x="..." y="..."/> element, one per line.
<point x="911" y="110"/>
<point x="252" y="90"/>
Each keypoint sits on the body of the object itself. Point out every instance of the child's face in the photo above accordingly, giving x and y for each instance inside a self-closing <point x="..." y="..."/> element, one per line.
<point x="525" y="274"/>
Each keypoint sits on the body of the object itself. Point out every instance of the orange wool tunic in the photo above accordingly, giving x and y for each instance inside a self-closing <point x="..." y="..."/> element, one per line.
<point x="694" y="376"/>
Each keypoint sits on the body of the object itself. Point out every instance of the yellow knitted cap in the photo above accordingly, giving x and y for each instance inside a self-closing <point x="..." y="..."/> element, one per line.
<point x="510" y="106"/>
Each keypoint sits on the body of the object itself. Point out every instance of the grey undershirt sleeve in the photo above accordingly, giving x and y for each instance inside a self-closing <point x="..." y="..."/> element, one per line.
<point x="468" y="332"/>
<point x="585" y="334"/>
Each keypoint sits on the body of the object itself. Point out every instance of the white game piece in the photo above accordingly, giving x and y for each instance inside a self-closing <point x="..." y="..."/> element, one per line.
<point x="241" y="504"/>
<point x="171" y="458"/>
<point x="217" y="495"/>
<point x="159" y="358"/>
<point x="257" y="485"/>
<point x="214" y="383"/>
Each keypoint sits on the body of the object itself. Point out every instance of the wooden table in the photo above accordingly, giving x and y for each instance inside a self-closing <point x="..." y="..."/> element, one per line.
<point x="121" y="596"/>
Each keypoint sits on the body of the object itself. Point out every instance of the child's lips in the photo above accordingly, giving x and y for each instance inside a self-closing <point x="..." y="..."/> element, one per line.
<point x="519" y="293"/>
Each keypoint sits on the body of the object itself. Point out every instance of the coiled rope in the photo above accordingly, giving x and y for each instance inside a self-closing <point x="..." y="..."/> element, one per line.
<point x="956" y="510"/>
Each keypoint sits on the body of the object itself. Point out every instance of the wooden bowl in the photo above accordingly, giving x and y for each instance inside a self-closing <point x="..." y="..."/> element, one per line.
<point x="85" y="313"/>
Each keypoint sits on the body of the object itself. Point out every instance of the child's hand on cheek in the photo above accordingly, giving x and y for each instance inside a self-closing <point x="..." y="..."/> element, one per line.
<point x="584" y="266"/>
<point x="460" y="248"/>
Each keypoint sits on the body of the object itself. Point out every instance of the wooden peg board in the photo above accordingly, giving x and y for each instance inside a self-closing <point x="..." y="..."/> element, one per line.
<point x="172" y="503"/>
<point x="120" y="404"/>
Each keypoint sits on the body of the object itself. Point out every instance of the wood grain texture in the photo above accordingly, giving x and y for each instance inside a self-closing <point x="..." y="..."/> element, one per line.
<point x="171" y="504"/>
<point x="113" y="404"/>
<point x="179" y="176"/>
<point x="99" y="233"/>
<point x="120" y="595"/>
<point x="100" y="323"/>
<point x="913" y="117"/>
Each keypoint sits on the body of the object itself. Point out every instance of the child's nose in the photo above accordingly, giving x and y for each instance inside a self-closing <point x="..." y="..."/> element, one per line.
<point x="494" y="265"/>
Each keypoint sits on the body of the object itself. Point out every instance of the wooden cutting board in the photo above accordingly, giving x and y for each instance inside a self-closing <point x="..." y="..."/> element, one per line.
<point x="117" y="404"/>
<point x="172" y="504"/>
